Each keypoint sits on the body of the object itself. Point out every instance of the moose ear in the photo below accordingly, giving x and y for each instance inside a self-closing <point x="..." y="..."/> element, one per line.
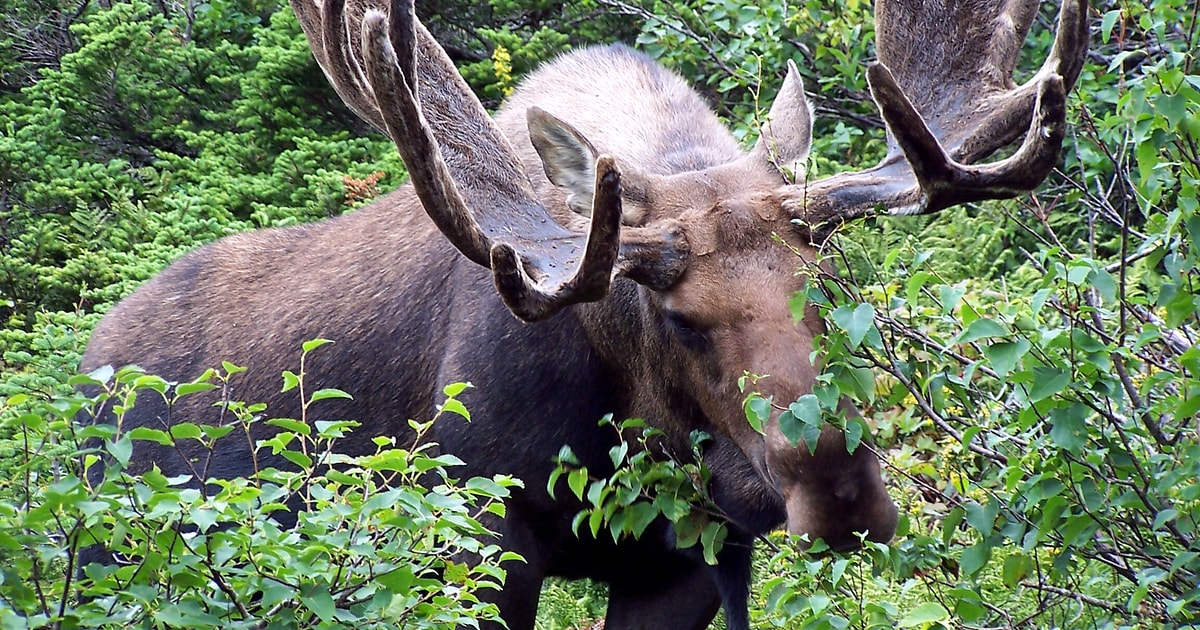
<point x="568" y="159"/>
<point x="787" y="135"/>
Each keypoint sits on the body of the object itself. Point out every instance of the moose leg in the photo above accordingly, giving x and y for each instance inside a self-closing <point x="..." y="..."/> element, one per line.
<point x="689" y="602"/>
<point x="732" y="575"/>
<point x="518" y="600"/>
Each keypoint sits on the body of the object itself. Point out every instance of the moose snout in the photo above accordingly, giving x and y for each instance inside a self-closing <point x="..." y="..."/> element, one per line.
<point x="833" y="494"/>
<point x="842" y="528"/>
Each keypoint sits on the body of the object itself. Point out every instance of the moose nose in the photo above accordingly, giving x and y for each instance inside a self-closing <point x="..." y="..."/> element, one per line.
<point x="847" y="493"/>
<point x="846" y="546"/>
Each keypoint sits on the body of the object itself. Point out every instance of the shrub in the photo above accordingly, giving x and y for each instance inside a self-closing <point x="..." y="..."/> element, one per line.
<point x="1043" y="427"/>
<point x="647" y="483"/>
<point x="370" y="548"/>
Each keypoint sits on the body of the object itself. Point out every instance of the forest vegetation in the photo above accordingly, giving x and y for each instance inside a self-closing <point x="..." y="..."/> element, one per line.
<point x="1028" y="368"/>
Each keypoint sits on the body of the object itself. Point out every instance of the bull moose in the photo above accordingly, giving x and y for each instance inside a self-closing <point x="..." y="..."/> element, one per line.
<point x="648" y="261"/>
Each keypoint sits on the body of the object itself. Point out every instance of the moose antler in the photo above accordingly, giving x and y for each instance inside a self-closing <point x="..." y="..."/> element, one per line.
<point x="464" y="171"/>
<point x="943" y="84"/>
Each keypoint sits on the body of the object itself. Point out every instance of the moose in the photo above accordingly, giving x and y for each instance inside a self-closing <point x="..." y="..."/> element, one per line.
<point x="601" y="246"/>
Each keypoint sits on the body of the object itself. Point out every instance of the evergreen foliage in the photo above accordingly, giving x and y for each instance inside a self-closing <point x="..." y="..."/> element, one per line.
<point x="157" y="134"/>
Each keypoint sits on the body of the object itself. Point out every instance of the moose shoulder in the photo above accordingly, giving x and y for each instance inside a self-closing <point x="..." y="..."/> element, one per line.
<point x="648" y="261"/>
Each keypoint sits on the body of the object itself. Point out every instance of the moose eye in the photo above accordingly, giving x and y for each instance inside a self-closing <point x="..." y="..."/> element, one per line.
<point x="689" y="333"/>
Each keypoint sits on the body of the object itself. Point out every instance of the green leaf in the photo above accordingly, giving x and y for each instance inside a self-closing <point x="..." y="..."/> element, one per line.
<point x="803" y="413"/>
<point x="155" y="479"/>
<point x="151" y="382"/>
<point x="1016" y="567"/>
<point x="688" y="529"/>
<point x="1193" y="231"/>
<point x="322" y="394"/>
<point x="1004" y="355"/>
<point x="299" y="459"/>
<point x="338" y="476"/>
<point x="290" y="381"/>
<point x="1188" y="407"/>
<point x="1047" y="381"/>
<point x="101" y="374"/>
<point x="855" y="428"/>
<point x="313" y="344"/>
<point x="1106" y="24"/>
<point x="967" y="604"/>
<point x="758" y="411"/>
<point x="860" y="380"/>
<point x="1147" y="160"/>
<point x="796" y="304"/>
<point x="1181" y="308"/>
<point x="1069" y="427"/>
<point x="641" y="515"/>
<point x="187" y="389"/>
<point x="981" y="328"/>
<point x="712" y="539"/>
<point x="186" y="431"/>
<point x="186" y="614"/>
<point x="203" y="517"/>
<point x="1104" y="283"/>
<point x="318" y="599"/>
<point x="1173" y="107"/>
<point x="290" y="424"/>
<point x="333" y="429"/>
<point x="231" y="368"/>
<point x="121" y="450"/>
<point x="974" y="558"/>
<point x="152" y="435"/>
<point x="924" y="615"/>
<point x="577" y="480"/>
<point x="982" y="517"/>
<point x="618" y="453"/>
<point x="914" y="286"/>
<point x="454" y="389"/>
<point x="595" y="520"/>
<point x="1039" y="300"/>
<point x="950" y="524"/>
<point x="455" y="406"/>
<point x="1078" y="273"/>
<point x="857" y="322"/>
<point x="949" y="297"/>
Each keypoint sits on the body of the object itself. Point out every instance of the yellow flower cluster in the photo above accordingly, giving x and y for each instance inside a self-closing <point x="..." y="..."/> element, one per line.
<point x="502" y="66"/>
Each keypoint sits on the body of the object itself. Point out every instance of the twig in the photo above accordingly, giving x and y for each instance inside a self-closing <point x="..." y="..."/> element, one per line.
<point x="1089" y="600"/>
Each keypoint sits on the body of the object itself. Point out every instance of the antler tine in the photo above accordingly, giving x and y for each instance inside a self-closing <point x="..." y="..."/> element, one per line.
<point x="944" y="182"/>
<point x="1065" y="60"/>
<point x="326" y="31"/>
<point x="531" y="302"/>
<point x="392" y="76"/>
<point x="951" y="102"/>
<point x="462" y="168"/>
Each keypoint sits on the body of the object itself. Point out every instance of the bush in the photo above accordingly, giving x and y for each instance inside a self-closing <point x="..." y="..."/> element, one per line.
<point x="370" y="548"/>
<point x="646" y="484"/>
<point x="1043" y="427"/>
